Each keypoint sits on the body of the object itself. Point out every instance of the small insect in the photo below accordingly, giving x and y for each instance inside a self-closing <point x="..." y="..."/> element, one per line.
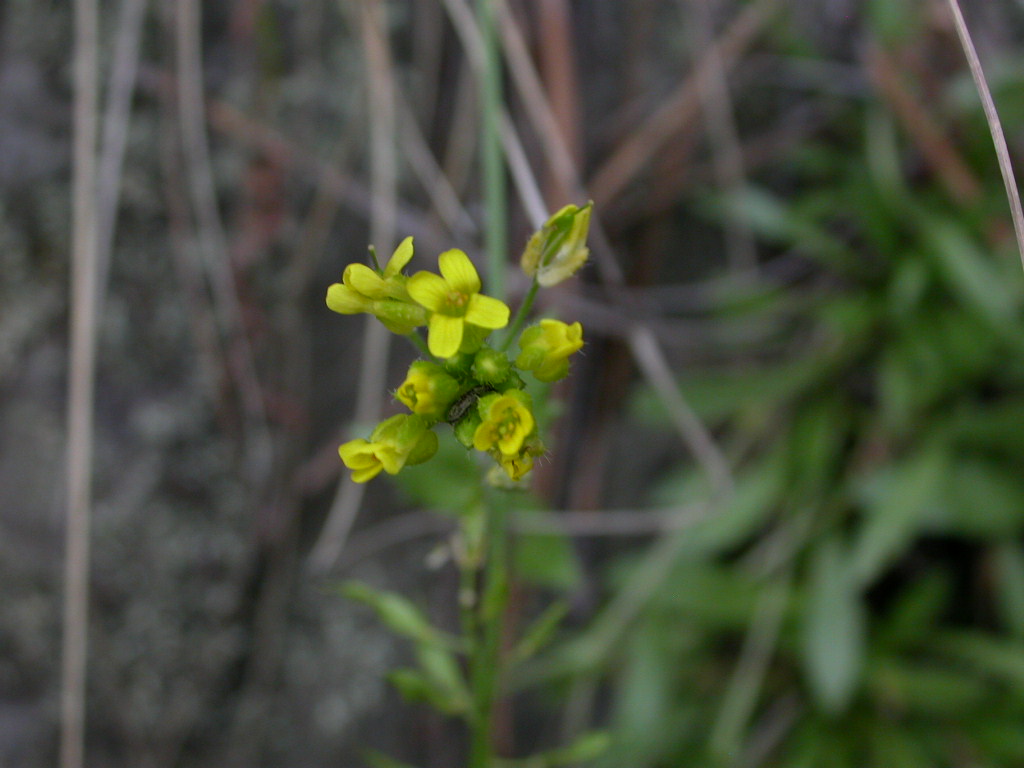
<point x="464" y="403"/>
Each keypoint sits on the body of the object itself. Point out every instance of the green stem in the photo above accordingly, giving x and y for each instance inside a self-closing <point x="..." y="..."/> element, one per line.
<point x="485" y="658"/>
<point x="417" y="341"/>
<point x="495" y="202"/>
<point x="521" y="315"/>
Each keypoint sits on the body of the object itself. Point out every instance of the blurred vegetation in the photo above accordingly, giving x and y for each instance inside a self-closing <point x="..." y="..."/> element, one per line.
<point x="856" y="599"/>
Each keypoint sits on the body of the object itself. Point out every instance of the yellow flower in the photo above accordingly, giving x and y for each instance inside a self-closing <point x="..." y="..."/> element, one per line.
<point x="546" y="348"/>
<point x="379" y="293"/>
<point x="454" y="300"/>
<point x="516" y="466"/>
<point x="366" y="459"/>
<point x="397" y="441"/>
<point x="507" y="422"/>
<point x="387" y="283"/>
<point x="427" y="390"/>
<point x="559" y="248"/>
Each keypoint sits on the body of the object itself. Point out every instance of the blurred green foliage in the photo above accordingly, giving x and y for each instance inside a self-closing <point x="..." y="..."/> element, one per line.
<point x="872" y="614"/>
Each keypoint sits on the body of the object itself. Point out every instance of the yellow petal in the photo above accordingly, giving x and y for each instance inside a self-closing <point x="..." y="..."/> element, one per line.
<point x="357" y="454"/>
<point x="364" y="280"/>
<point x="459" y="271"/>
<point x="444" y="335"/>
<point x="428" y="290"/>
<point x="562" y="268"/>
<point x="365" y="475"/>
<point x="484" y="436"/>
<point x="343" y="299"/>
<point x="401" y="257"/>
<point x="486" y="312"/>
<point x="391" y="459"/>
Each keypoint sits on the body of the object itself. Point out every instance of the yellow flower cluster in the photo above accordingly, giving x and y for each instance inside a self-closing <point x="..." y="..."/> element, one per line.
<point x="469" y="384"/>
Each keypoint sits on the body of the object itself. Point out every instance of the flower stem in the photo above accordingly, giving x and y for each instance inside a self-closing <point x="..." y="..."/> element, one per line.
<point x="521" y="315"/>
<point x="417" y="341"/>
<point x="488" y="611"/>
<point x="495" y="201"/>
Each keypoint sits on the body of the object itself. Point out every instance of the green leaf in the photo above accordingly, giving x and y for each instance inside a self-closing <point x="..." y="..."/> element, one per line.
<point x="991" y="426"/>
<point x="398" y="613"/>
<point x="1003" y="659"/>
<point x="833" y="629"/>
<point x="893" y="22"/>
<point x="782" y="223"/>
<point x="1009" y="574"/>
<point x="545" y="560"/>
<point x="710" y="595"/>
<point x="982" y="499"/>
<point x="587" y="747"/>
<point x="449" y="482"/>
<point x="539" y="633"/>
<point x="819" y="433"/>
<point x="966" y="270"/>
<point x="893" y="517"/>
<point x="646" y="712"/>
<point x="893" y="747"/>
<point x="924" y="688"/>
<point x="916" y="610"/>
<point x="443" y="674"/>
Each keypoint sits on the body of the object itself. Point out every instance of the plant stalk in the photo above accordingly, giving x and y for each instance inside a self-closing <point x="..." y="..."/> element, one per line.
<point x="495" y="199"/>
<point x="485" y="649"/>
<point x="521" y="315"/>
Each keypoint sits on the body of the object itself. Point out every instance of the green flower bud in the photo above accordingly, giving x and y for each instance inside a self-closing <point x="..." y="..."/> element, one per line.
<point x="390" y="447"/>
<point x="546" y="348"/>
<point x="559" y="248"/>
<point x="398" y="316"/>
<point x="491" y="366"/>
<point x="428" y="390"/>
<point x="424" y="449"/>
<point x="466" y="427"/>
<point x="473" y="337"/>
<point x="458" y="365"/>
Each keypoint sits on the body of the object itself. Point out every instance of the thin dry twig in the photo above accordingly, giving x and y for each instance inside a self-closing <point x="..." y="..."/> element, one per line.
<point x="213" y="241"/>
<point x="995" y="127"/>
<point x="677" y="110"/>
<point x="747" y="678"/>
<point x="610" y="523"/>
<point x="81" y="384"/>
<point x="934" y="145"/>
<point x="376" y="339"/>
<point x="423" y="163"/>
<point x="341" y="186"/>
<point x="643" y="345"/>
<point x="121" y="88"/>
<point x="726" y="152"/>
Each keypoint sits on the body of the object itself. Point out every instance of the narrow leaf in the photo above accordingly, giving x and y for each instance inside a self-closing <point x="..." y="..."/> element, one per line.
<point x="833" y="629"/>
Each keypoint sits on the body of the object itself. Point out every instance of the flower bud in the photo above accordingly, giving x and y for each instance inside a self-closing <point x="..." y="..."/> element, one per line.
<point x="391" y="446"/>
<point x="559" y="248"/>
<point x="472" y="338"/>
<point x="428" y="390"/>
<point x="491" y="366"/>
<point x="466" y="427"/>
<point x="546" y="348"/>
<point x="398" y="316"/>
<point x="343" y="300"/>
<point x="424" y="449"/>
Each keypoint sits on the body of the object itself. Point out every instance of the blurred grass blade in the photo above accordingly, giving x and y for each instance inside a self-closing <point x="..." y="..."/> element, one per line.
<point x="1009" y="573"/>
<point x="893" y="520"/>
<point x="833" y="629"/>
<point x="967" y="271"/>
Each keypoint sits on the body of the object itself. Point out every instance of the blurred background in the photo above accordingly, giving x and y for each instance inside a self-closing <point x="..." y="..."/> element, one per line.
<point x="784" y="502"/>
